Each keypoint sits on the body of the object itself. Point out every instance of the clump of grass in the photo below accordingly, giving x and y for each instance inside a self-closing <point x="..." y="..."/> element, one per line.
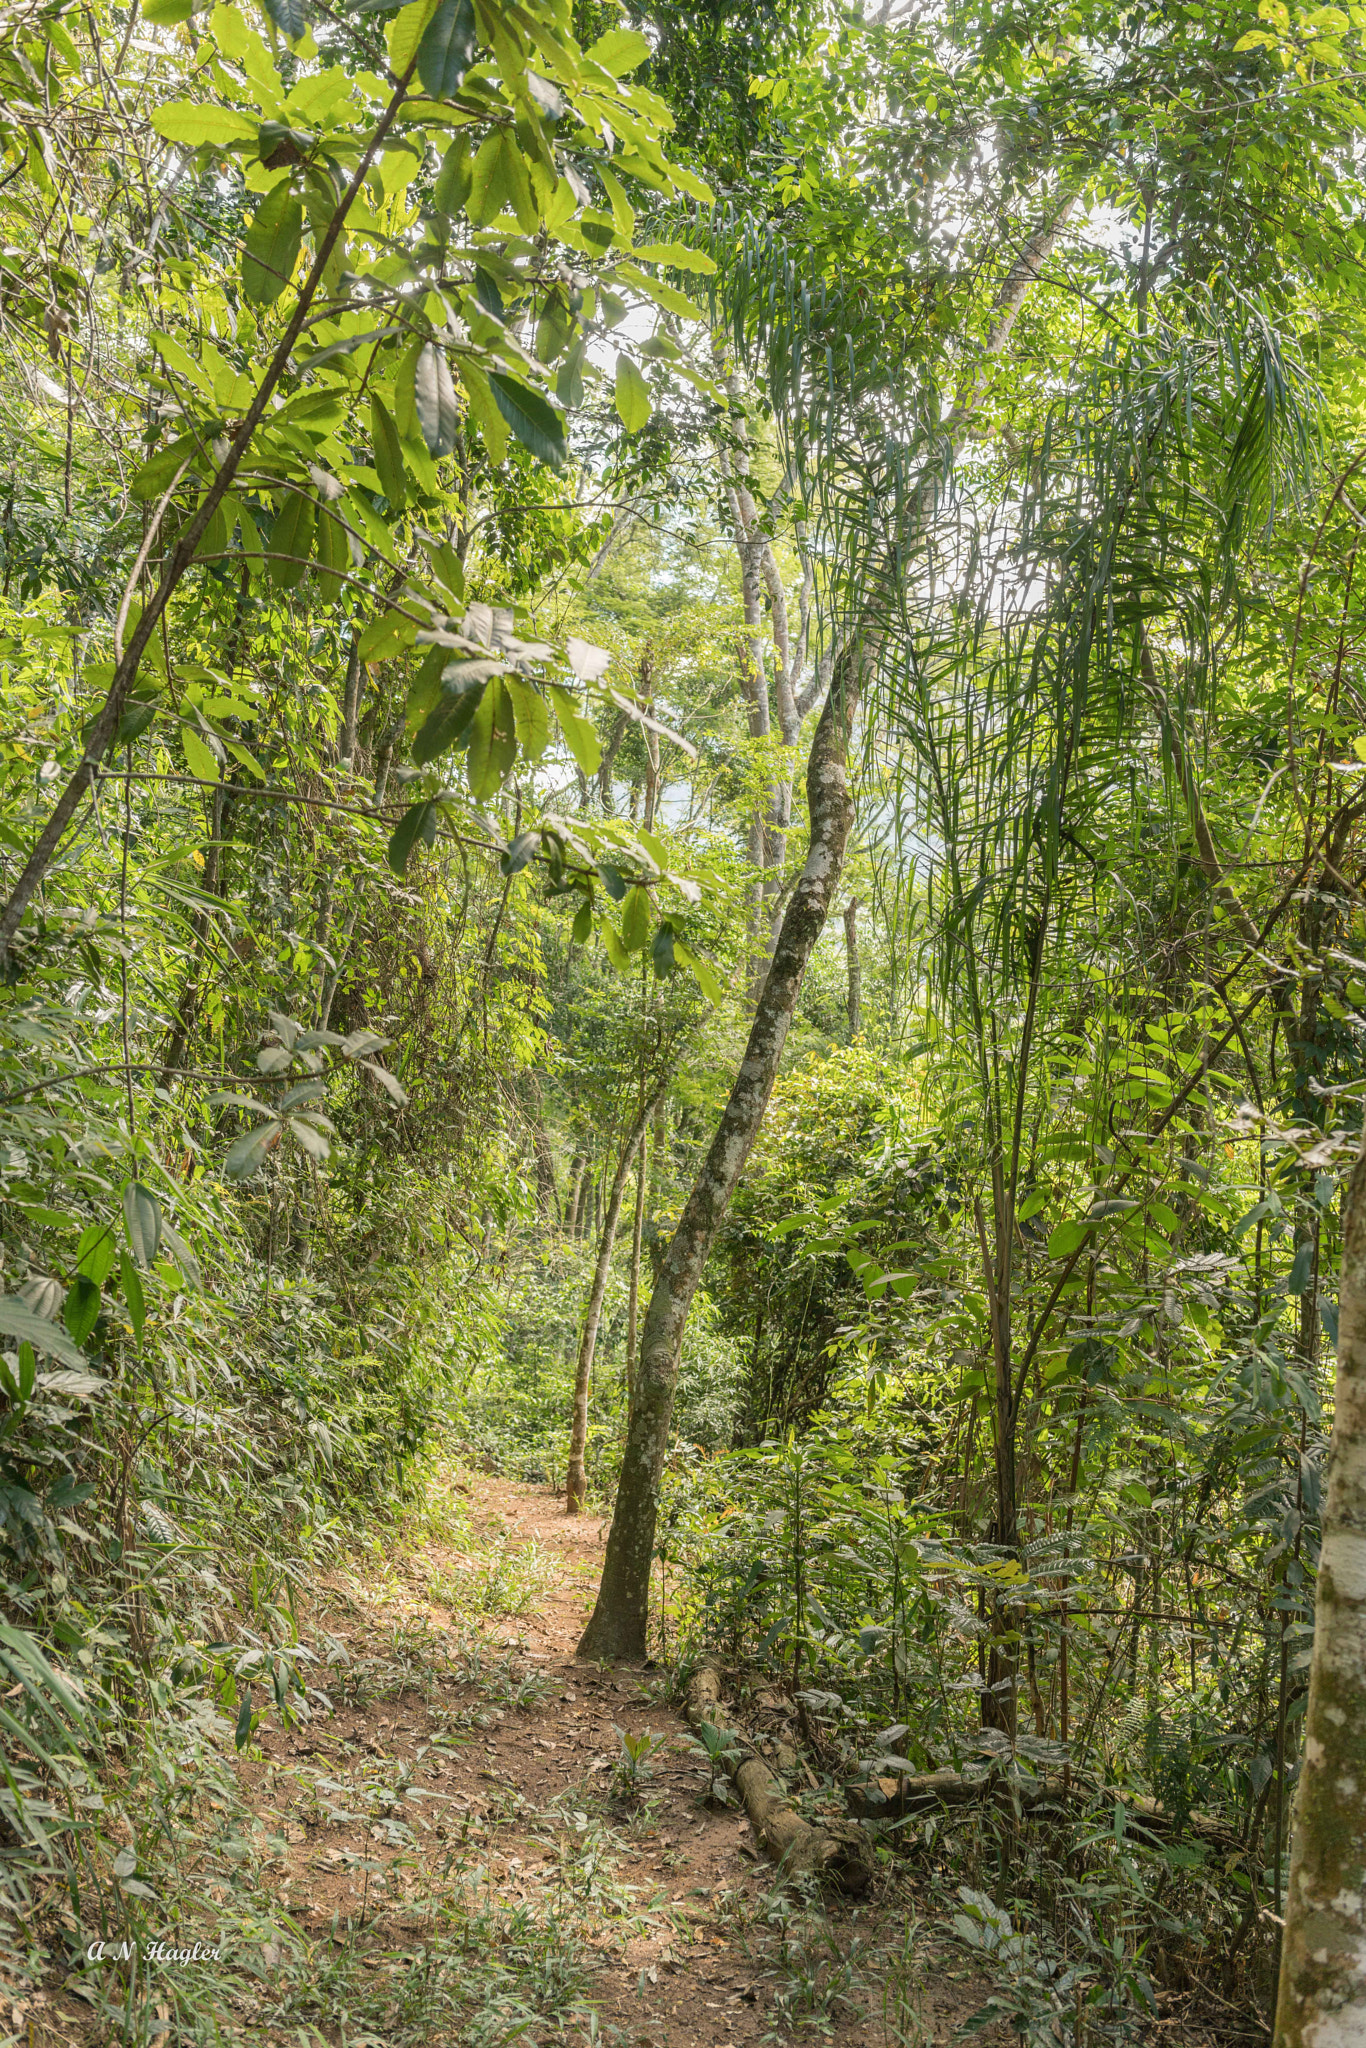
<point x="504" y="1580"/>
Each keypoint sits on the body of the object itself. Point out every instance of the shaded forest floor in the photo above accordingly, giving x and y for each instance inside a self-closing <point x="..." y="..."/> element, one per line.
<point x="456" y="1852"/>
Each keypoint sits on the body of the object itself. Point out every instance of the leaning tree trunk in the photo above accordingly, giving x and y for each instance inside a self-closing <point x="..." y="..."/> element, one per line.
<point x="617" y="1627"/>
<point x="576" y="1483"/>
<point x="1322" y="2002"/>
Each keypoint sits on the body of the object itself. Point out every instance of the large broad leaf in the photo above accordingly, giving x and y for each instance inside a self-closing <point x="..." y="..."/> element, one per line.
<point x="677" y="255"/>
<point x="452" y="716"/>
<point x="447" y="48"/>
<point x="454" y="179"/>
<point x="620" y="50"/>
<point x="633" y="395"/>
<point x="248" y="1153"/>
<point x="418" y="822"/>
<point x="197" y="121"/>
<point x="291" y="540"/>
<point x="19" y="1321"/>
<point x="532" y="716"/>
<point x="96" y="1252"/>
<point x="142" y="1221"/>
<point x="434" y="397"/>
<point x="535" y="423"/>
<point x="388" y="455"/>
<point x="289" y="17"/>
<point x="81" y="1309"/>
<point x="493" y="743"/>
<point x="272" y="245"/>
<point x="406" y="31"/>
<point x="1069" y="1237"/>
<point x="637" y="917"/>
<point x="578" y="731"/>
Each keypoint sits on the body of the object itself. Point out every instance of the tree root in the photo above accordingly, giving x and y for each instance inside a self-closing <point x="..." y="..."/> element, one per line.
<point x="840" y="1855"/>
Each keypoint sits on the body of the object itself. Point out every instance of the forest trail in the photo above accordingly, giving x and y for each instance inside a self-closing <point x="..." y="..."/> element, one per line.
<point x="472" y="1815"/>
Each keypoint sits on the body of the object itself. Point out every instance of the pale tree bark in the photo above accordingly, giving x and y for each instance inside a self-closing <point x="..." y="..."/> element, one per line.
<point x="1322" y="2001"/>
<point x="576" y="1481"/>
<point x="618" y="1625"/>
<point x="851" y="910"/>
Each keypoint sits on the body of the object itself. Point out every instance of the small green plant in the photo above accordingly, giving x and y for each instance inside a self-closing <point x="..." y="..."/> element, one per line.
<point x="633" y="1765"/>
<point x="717" y="1746"/>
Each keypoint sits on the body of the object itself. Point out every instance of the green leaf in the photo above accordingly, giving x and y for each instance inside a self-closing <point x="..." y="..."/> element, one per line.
<point x="406" y="31"/>
<point x="637" y="917"/>
<point x="135" y="722"/>
<point x="615" y="951"/>
<point x="662" y="951"/>
<point x="578" y="731"/>
<point x="242" y="1732"/>
<point x="454" y="179"/>
<point x="535" y="423"/>
<point x="291" y="540"/>
<point x="677" y="255"/>
<point x="134" y="1298"/>
<point x="181" y="1253"/>
<point x="489" y="188"/>
<point x="633" y="395"/>
<point x="700" y="970"/>
<point x="289" y="17"/>
<point x="199" y="757"/>
<point x="157" y="472"/>
<point x="450" y="719"/>
<point x="620" y="50"/>
<point x="438" y="415"/>
<point x="493" y="742"/>
<point x="199" y="121"/>
<point x="418" y="822"/>
<point x="96" y="1252"/>
<point x="248" y="1153"/>
<point x="1069" y="1237"/>
<point x="447" y="48"/>
<point x="385" y="635"/>
<point x="581" y="931"/>
<point x="166" y="13"/>
<point x="520" y="852"/>
<point x="388" y="455"/>
<point x="81" y="1309"/>
<point x="1302" y="1268"/>
<point x="272" y="246"/>
<point x="142" y="1221"/>
<point x="18" y="1320"/>
<point x="492" y="425"/>
<point x="532" y="716"/>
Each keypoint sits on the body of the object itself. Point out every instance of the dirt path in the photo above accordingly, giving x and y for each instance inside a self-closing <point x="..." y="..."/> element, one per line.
<point x="467" y="1804"/>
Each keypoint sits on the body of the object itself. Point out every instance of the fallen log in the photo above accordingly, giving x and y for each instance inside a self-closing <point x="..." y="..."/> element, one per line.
<point x="892" y="1798"/>
<point x="840" y="1855"/>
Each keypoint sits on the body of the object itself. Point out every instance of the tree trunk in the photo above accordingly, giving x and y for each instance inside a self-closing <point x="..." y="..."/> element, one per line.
<point x="633" y="1297"/>
<point x="576" y="1482"/>
<point x="1322" y="2002"/>
<point x="855" y="970"/>
<point x="618" y="1624"/>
